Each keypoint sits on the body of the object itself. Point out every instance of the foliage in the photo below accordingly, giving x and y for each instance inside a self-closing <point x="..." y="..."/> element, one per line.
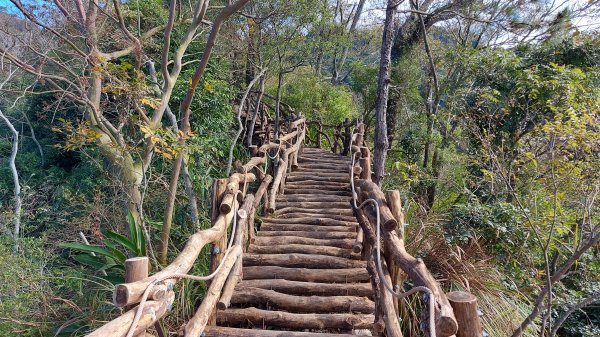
<point x="109" y="259"/>
<point x="326" y="102"/>
<point x="37" y="296"/>
<point x="498" y="225"/>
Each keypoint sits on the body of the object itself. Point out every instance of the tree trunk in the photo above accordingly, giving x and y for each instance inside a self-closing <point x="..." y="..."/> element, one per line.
<point x="256" y="111"/>
<point x="278" y="104"/>
<point x="185" y="111"/>
<point x="435" y="174"/>
<point x="15" y="174"/>
<point x="383" y="86"/>
<point x="168" y="219"/>
<point x="391" y="116"/>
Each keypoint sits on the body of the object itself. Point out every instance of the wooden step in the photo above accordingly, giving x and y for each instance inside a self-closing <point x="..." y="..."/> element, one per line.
<point x="311" y="220"/>
<point x="325" y="166"/>
<point x="311" y="288"/>
<point x="286" y="240"/>
<point x="294" y="215"/>
<point x="265" y="318"/>
<point x="343" y="210"/>
<point x="323" y="161"/>
<point x="220" y="331"/>
<point x="312" y="235"/>
<point x="302" y="249"/>
<point x="301" y="304"/>
<point x="342" y="179"/>
<point x="299" y="184"/>
<point x="301" y="261"/>
<point x="324" y="156"/>
<point x="269" y="227"/>
<point x="317" y="192"/>
<point x="312" y="204"/>
<point x="350" y="275"/>
<point x="317" y="185"/>
<point x="317" y="170"/>
<point x="344" y="174"/>
<point x="313" y="198"/>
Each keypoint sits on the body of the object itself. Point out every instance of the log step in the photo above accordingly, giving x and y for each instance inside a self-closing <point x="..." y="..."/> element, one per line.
<point x="265" y="318"/>
<point x="312" y="204"/>
<point x="314" y="191"/>
<point x="350" y="275"/>
<point x="328" y="210"/>
<point x="301" y="304"/>
<point x="296" y="215"/>
<point x="312" y="235"/>
<point x="301" y="261"/>
<point x="308" y="220"/>
<point x="286" y="240"/>
<point x="342" y="179"/>
<point x="219" y="331"/>
<point x="302" y="249"/>
<point x="323" y="161"/>
<point x="317" y="185"/>
<point x="312" y="198"/>
<point x="270" y="227"/>
<point x="310" y="288"/>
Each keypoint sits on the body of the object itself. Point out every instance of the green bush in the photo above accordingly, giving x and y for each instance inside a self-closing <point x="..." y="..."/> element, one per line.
<point x="498" y="224"/>
<point x="36" y="297"/>
<point x="316" y="98"/>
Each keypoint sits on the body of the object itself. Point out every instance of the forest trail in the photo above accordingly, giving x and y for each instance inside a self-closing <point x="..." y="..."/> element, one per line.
<point x="300" y="272"/>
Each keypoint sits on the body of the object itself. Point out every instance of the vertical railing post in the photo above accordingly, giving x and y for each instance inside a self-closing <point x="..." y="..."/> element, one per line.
<point x="466" y="313"/>
<point x="347" y="137"/>
<point x="365" y="163"/>
<point x="218" y="248"/>
<point x="136" y="269"/>
<point x="319" y="135"/>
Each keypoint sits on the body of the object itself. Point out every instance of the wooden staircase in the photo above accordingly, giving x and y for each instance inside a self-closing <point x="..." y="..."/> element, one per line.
<point x="300" y="273"/>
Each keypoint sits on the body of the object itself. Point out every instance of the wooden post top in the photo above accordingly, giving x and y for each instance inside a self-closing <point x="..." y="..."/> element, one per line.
<point x="461" y="297"/>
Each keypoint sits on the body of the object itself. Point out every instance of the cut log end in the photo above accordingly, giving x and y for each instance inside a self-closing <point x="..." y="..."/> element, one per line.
<point x="461" y="297"/>
<point x="121" y="295"/>
<point x="446" y="326"/>
<point x="390" y="225"/>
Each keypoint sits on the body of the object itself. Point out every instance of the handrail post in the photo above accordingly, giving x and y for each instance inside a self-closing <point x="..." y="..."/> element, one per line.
<point x="218" y="248"/>
<point x="466" y="313"/>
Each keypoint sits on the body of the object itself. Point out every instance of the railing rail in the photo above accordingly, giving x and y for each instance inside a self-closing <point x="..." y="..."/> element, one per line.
<point x="380" y="216"/>
<point x="154" y="295"/>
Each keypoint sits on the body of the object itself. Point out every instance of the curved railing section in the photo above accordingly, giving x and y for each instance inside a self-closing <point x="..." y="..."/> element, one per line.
<point x="151" y="298"/>
<point x="381" y="238"/>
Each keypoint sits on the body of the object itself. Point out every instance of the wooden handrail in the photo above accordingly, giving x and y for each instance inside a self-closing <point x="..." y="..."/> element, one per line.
<point x="390" y="217"/>
<point x="161" y="296"/>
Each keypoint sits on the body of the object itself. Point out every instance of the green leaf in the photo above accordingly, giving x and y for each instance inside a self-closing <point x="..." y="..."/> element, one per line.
<point x="122" y="240"/>
<point x="88" y="249"/>
<point x="116" y="254"/>
<point x="137" y="237"/>
<point x="90" y="260"/>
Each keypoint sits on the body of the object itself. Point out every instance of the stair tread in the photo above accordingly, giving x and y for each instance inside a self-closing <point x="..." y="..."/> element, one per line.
<point x="218" y="331"/>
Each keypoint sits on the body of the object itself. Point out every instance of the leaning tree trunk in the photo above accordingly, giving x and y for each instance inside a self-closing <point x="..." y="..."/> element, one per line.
<point x="185" y="111"/>
<point x="383" y="87"/>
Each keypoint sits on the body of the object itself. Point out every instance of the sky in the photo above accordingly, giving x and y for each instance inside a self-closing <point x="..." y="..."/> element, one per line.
<point x="374" y="11"/>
